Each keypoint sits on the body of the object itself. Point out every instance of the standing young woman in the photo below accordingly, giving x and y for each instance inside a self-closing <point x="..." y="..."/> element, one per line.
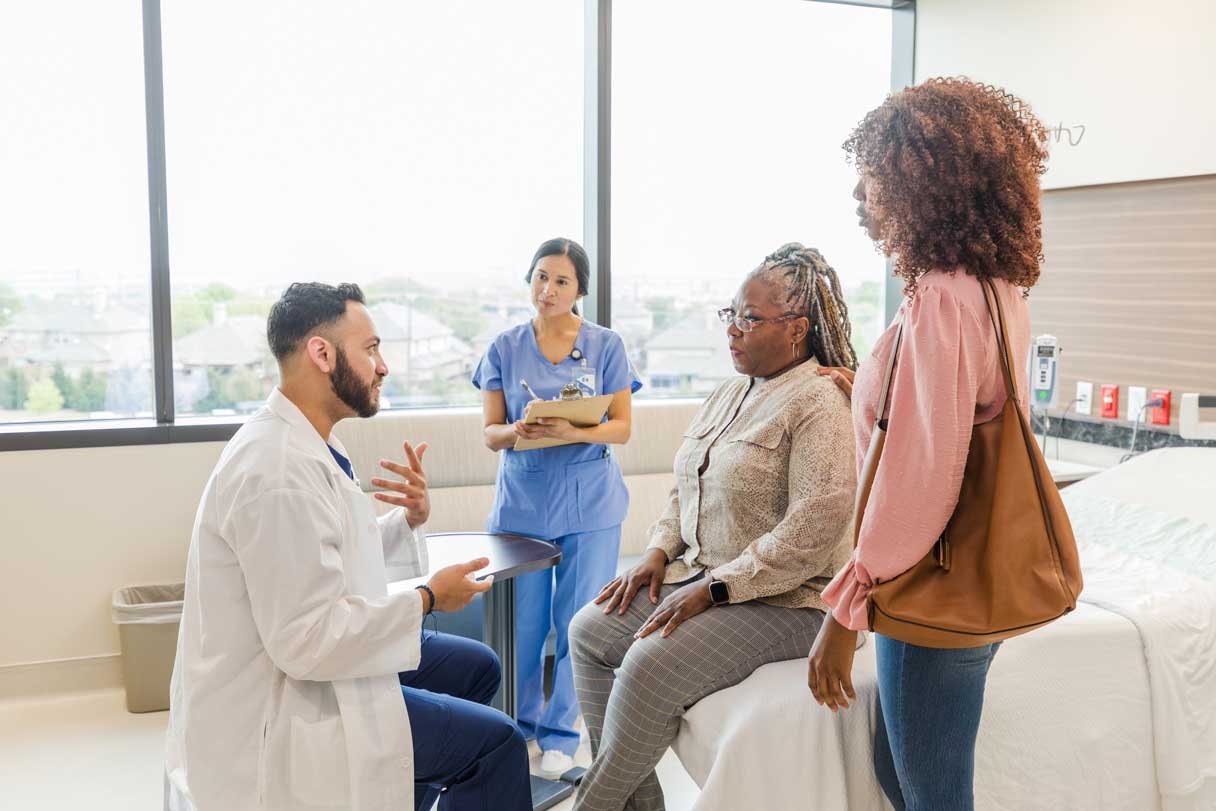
<point x="573" y="495"/>
<point x="949" y="188"/>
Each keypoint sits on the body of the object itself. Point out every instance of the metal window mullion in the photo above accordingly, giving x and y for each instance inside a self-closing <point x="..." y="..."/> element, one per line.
<point x="158" y="220"/>
<point x="597" y="156"/>
<point x="903" y="74"/>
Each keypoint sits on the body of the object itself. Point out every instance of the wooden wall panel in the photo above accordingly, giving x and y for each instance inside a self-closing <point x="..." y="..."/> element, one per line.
<point x="1129" y="286"/>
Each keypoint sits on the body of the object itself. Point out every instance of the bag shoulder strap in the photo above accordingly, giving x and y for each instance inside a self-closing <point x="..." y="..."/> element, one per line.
<point x="1002" y="336"/>
<point x="886" y="378"/>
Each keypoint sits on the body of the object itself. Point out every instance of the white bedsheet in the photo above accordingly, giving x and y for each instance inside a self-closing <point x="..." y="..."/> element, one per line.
<point x="1159" y="571"/>
<point x="1072" y="719"/>
<point x="1066" y="725"/>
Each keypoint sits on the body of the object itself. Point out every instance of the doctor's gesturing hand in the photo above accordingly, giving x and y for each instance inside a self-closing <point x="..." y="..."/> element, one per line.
<point x="411" y="494"/>
<point x="455" y="586"/>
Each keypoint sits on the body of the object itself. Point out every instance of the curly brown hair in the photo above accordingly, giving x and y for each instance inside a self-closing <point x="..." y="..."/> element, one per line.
<point x="951" y="168"/>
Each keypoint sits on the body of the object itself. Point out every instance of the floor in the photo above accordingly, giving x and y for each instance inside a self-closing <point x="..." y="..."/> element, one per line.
<point x="678" y="788"/>
<point x="85" y="751"/>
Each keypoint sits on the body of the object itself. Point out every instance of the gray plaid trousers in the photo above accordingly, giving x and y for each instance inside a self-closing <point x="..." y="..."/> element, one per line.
<point x="634" y="692"/>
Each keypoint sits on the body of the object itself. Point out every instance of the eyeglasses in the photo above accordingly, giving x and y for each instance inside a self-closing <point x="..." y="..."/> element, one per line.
<point x="727" y="315"/>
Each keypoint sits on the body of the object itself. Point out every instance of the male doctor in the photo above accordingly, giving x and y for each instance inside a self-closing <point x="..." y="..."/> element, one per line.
<point x="300" y="683"/>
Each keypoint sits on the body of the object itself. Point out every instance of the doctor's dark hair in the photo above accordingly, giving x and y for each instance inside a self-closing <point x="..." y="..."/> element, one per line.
<point x="812" y="289"/>
<point x="574" y="252"/>
<point x="302" y="309"/>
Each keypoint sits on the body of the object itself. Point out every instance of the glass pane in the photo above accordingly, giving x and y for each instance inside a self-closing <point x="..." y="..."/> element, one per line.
<point x="75" y="325"/>
<point x="727" y="123"/>
<point x="421" y="150"/>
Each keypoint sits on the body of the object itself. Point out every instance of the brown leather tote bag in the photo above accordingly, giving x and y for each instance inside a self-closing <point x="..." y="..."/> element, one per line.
<point x="1007" y="562"/>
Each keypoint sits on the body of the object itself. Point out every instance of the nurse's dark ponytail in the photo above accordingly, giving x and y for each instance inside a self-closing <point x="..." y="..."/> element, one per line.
<point x="577" y="256"/>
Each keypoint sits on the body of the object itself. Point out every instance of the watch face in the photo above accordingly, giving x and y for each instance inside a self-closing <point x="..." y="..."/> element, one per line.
<point x="718" y="592"/>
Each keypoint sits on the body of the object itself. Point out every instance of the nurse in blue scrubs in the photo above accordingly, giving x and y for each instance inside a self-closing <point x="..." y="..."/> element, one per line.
<point x="573" y="495"/>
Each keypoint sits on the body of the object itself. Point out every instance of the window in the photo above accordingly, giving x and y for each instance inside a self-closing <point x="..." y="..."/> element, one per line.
<point x="422" y="150"/>
<point x="75" y="326"/>
<point x="727" y="125"/>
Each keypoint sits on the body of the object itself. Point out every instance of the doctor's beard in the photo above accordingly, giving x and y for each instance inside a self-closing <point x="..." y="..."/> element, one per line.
<point x="361" y="398"/>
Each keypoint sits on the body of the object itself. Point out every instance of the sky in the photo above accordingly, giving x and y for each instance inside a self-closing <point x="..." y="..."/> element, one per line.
<point x="436" y="141"/>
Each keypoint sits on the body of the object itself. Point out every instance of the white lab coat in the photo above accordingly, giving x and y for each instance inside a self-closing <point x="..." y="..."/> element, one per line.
<point x="285" y="691"/>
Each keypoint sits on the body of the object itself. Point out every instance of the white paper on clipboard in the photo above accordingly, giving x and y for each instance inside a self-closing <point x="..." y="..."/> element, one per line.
<point x="582" y="413"/>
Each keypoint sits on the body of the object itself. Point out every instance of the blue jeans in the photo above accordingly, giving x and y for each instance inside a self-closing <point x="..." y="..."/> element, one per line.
<point x="550" y="599"/>
<point x="929" y="704"/>
<point x="471" y="753"/>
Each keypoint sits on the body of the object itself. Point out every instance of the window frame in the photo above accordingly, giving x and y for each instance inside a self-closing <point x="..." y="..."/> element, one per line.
<point x="166" y="428"/>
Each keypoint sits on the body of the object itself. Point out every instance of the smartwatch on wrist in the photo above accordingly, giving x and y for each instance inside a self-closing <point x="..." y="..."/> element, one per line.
<point x="718" y="593"/>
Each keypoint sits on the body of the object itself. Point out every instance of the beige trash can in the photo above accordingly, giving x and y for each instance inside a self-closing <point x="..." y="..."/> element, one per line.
<point x="147" y="618"/>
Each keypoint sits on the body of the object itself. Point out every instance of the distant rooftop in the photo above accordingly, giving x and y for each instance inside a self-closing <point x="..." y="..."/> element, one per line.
<point x="239" y="340"/>
<point x="697" y="330"/>
<point x="76" y="353"/>
<point x="77" y="318"/>
<point x="400" y="322"/>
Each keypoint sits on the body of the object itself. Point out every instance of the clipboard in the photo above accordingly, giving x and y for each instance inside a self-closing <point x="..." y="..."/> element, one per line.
<point x="583" y="413"/>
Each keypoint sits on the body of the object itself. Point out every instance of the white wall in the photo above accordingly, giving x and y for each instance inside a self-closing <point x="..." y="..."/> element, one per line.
<point x="76" y="524"/>
<point x="1137" y="75"/>
<point x="79" y="523"/>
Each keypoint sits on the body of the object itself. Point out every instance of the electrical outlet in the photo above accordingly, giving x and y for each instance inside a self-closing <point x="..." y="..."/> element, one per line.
<point x="1085" y="397"/>
<point x="1137" y="396"/>
<point x="1161" y="414"/>
<point x="1110" y="401"/>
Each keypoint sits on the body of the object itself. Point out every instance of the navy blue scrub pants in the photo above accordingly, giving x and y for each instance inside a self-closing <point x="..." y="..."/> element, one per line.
<point x="467" y="754"/>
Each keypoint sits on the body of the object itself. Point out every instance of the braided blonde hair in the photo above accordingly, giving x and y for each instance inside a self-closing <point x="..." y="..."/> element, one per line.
<point x="813" y="290"/>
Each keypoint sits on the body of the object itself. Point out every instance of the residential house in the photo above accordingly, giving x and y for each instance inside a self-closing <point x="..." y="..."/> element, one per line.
<point x="690" y="357"/>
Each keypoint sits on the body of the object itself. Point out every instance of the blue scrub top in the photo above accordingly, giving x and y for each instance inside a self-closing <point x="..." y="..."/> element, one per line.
<point x="551" y="492"/>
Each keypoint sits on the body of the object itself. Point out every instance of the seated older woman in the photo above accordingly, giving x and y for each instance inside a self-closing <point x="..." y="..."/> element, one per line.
<point x="755" y="528"/>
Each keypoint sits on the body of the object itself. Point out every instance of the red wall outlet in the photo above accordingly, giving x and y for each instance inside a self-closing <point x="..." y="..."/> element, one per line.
<point x="1161" y="415"/>
<point x="1110" y="402"/>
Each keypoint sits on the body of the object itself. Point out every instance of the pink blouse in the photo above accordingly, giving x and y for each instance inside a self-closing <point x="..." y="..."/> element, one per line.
<point x="947" y="378"/>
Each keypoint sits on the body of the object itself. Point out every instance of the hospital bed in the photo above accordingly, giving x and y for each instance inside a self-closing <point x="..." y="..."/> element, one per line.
<point x="1112" y="708"/>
